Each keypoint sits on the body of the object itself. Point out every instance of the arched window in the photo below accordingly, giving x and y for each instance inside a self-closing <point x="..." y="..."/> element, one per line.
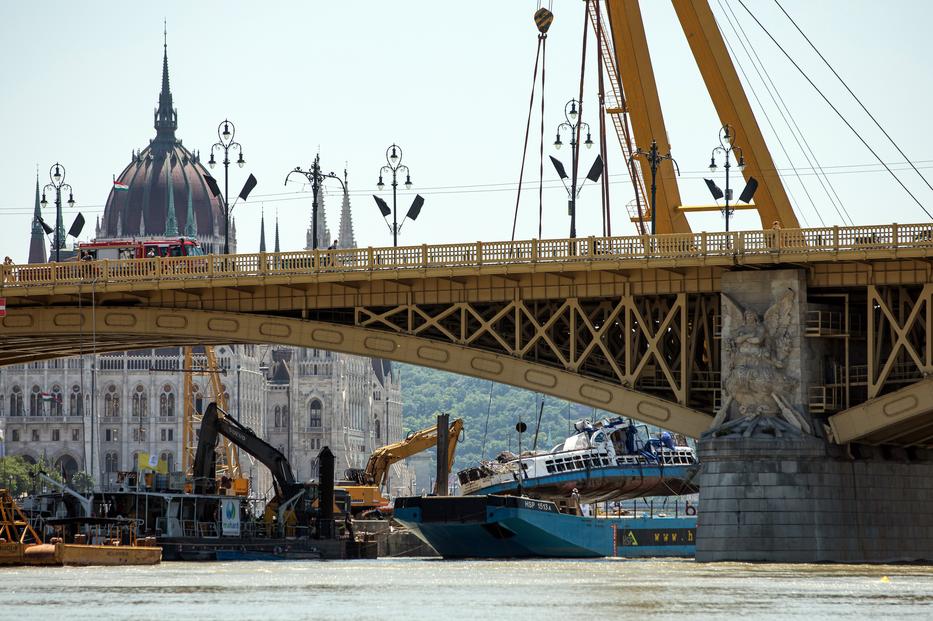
<point x="285" y="416"/>
<point x="135" y="463"/>
<point x="75" y="402"/>
<point x="315" y="410"/>
<point x="167" y="402"/>
<point x="378" y="428"/>
<point x="140" y="405"/>
<point x="111" y="462"/>
<point x="169" y="460"/>
<point x="55" y="406"/>
<point x="111" y="402"/>
<point x="278" y="416"/>
<point x="16" y="401"/>
<point x="35" y="402"/>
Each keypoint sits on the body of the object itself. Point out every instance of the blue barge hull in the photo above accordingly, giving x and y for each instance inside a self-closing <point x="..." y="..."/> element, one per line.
<point x="513" y="527"/>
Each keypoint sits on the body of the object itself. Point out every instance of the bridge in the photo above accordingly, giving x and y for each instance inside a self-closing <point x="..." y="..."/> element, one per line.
<point x="628" y="324"/>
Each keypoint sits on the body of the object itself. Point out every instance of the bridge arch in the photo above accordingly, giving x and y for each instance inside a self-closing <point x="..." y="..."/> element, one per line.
<point x="58" y="331"/>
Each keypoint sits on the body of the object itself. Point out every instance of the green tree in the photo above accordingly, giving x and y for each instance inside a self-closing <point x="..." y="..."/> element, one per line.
<point x="20" y="476"/>
<point x="490" y="412"/>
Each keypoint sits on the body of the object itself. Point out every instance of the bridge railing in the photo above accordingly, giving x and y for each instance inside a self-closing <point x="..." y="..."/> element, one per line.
<point x="636" y="247"/>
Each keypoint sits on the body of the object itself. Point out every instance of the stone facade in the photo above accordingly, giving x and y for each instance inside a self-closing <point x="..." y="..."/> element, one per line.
<point x="791" y="500"/>
<point x="46" y="411"/>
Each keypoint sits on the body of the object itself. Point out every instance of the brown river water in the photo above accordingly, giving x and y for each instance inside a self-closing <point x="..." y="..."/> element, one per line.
<point x="404" y="589"/>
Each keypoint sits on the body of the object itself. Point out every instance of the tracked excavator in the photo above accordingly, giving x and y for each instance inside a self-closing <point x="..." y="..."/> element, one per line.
<point x="363" y="484"/>
<point x="294" y="504"/>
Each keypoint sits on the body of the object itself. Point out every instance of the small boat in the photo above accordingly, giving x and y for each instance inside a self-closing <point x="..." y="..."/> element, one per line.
<point x="516" y="527"/>
<point x="607" y="460"/>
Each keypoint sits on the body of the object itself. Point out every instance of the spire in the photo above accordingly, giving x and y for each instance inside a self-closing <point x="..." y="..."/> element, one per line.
<point x="262" y="231"/>
<point x="277" y="248"/>
<point x="166" y="117"/>
<point x="171" y="223"/>
<point x="191" y="221"/>
<point x="37" y="240"/>
<point x="346" y="238"/>
<point x="323" y="233"/>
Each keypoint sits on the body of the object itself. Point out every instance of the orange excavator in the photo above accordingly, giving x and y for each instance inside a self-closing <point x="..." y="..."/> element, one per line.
<point x="363" y="485"/>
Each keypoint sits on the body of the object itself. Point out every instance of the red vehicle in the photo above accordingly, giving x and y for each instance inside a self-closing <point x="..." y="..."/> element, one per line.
<point x="139" y="248"/>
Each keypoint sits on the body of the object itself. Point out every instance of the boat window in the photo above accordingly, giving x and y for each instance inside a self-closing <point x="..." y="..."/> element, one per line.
<point x="618" y="441"/>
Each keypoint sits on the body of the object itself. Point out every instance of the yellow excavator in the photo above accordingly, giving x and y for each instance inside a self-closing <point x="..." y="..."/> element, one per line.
<point x="363" y="485"/>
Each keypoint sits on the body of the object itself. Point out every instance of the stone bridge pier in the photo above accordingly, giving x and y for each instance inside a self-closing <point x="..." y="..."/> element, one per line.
<point x="774" y="487"/>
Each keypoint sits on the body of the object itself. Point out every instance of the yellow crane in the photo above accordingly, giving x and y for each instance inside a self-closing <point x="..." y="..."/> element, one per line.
<point x="205" y="365"/>
<point x="363" y="485"/>
<point x="641" y="104"/>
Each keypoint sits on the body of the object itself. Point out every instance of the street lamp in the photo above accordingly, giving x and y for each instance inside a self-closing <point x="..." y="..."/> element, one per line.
<point x="394" y="159"/>
<point x="57" y="175"/>
<point x="225" y="133"/>
<point x="726" y="148"/>
<point x="574" y="125"/>
<point x="316" y="178"/>
<point x="654" y="159"/>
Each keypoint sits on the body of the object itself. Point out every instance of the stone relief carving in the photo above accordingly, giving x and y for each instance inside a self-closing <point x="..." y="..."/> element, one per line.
<point x="759" y="372"/>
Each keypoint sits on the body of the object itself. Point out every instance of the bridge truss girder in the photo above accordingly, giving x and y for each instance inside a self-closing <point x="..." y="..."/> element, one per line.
<point x="72" y="329"/>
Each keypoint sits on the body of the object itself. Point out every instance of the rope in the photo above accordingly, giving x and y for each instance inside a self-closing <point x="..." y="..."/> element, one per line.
<point x="541" y="147"/>
<point x="531" y="102"/>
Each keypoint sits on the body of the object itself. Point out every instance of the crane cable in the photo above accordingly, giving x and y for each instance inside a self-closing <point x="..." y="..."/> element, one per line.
<point x="854" y="96"/>
<point x="836" y="110"/>
<point x="543" y="19"/>
<point x="768" y="117"/>
<point x="798" y="135"/>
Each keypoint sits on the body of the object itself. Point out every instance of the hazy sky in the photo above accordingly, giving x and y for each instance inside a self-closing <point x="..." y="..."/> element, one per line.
<point x="449" y="81"/>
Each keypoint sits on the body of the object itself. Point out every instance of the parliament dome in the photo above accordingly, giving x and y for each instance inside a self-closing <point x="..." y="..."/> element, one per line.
<point x="162" y="191"/>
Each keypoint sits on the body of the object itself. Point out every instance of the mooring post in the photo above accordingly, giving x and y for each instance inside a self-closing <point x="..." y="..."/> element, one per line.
<point x="325" y="526"/>
<point x="443" y="433"/>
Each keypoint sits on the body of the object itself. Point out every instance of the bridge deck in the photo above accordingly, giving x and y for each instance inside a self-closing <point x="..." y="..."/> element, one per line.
<point x="718" y="249"/>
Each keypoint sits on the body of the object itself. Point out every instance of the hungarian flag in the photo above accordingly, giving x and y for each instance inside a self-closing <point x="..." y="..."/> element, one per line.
<point x="120" y="187"/>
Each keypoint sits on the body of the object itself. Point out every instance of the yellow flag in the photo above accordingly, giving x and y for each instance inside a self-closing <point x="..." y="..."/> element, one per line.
<point x="145" y="462"/>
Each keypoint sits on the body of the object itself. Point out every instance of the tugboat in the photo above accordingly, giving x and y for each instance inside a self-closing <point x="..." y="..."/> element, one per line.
<point x="608" y="460"/>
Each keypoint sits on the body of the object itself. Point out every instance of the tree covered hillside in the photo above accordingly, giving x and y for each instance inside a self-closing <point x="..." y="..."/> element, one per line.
<point x="427" y="392"/>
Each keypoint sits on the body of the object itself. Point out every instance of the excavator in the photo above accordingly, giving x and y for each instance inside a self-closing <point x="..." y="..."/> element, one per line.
<point x="363" y="484"/>
<point x="294" y="503"/>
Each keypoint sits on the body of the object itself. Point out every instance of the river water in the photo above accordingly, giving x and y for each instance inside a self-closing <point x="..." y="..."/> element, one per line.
<point x="405" y="589"/>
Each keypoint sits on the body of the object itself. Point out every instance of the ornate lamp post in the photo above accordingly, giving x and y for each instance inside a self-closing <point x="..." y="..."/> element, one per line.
<point x="654" y="159"/>
<point x="394" y="159"/>
<point x="316" y="178"/>
<point x="57" y="175"/>
<point x="726" y="147"/>
<point x="225" y="134"/>
<point x="574" y="125"/>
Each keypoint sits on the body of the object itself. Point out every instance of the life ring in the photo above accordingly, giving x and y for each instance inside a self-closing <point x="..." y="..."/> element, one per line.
<point x="690" y="510"/>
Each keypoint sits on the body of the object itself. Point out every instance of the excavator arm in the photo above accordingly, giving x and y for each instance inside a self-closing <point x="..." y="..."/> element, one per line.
<point x="377" y="468"/>
<point x="216" y="422"/>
